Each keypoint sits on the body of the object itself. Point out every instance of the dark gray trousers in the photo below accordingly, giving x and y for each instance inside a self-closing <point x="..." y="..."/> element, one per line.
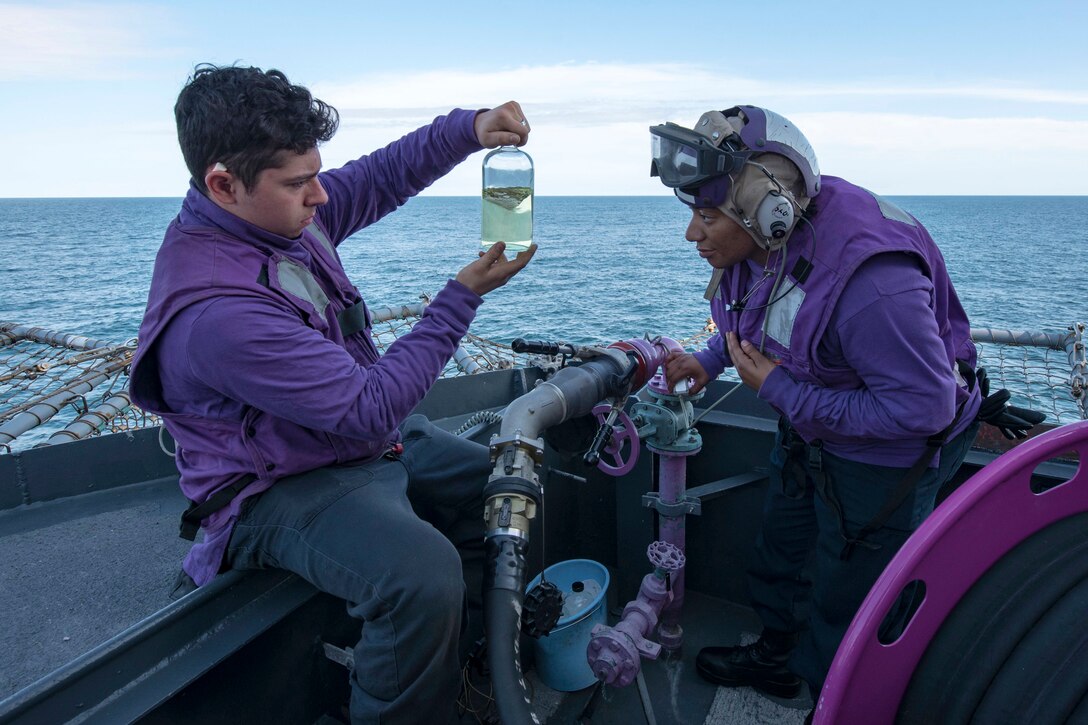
<point x="392" y="538"/>
<point x="799" y="526"/>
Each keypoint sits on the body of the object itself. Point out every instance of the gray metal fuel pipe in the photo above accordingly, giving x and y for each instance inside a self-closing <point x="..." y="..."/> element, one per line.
<point x="513" y="494"/>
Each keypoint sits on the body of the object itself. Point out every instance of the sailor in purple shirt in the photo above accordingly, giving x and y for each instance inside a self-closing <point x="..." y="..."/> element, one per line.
<point x="836" y="307"/>
<point x="294" y="439"/>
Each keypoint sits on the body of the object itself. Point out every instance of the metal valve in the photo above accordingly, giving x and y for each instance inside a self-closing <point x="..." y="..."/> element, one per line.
<point x="666" y="557"/>
<point x="615" y="447"/>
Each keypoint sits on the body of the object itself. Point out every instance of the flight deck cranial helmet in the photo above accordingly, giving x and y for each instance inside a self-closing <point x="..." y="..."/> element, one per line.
<point x="752" y="164"/>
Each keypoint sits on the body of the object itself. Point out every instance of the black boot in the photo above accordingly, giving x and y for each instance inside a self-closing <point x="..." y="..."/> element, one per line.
<point x="761" y="665"/>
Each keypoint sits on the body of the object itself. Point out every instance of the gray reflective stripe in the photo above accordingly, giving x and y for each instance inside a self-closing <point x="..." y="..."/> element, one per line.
<point x="301" y="283"/>
<point x="316" y="231"/>
<point x="714" y="287"/>
<point x="354" y="319"/>
<point x="891" y="211"/>
<point x="298" y="281"/>
<point x="781" y="316"/>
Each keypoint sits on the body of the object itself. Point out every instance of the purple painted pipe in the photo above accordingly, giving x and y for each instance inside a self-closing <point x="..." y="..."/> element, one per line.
<point x="672" y="485"/>
<point x="615" y="653"/>
<point x="650" y="354"/>
<point x="616" y="657"/>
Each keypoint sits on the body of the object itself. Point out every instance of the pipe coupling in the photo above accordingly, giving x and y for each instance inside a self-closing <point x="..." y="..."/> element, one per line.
<point x="509" y="514"/>
<point x="516" y="455"/>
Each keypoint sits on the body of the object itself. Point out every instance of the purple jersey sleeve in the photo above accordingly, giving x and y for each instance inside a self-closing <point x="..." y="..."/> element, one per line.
<point x="714" y="358"/>
<point x="366" y="189"/>
<point x="257" y="353"/>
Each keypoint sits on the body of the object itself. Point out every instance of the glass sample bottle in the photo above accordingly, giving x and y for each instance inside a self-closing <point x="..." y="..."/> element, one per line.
<point x="507" y="199"/>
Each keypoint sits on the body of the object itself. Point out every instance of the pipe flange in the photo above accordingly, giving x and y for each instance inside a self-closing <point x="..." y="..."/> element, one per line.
<point x="613" y="657"/>
<point x="688" y="443"/>
<point x="533" y="446"/>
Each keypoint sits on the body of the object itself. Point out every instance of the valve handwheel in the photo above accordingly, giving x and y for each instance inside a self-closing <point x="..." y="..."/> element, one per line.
<point x="666" y="556"/>
<point x="622" y="449"/>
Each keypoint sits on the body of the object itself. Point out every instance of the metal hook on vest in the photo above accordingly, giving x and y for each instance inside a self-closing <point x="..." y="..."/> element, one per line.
<point x="851" y="544"/>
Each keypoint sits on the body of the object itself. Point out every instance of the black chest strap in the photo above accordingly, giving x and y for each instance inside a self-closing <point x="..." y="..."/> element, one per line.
<point x="807" y="459"/>
<point x="353" y="319"/>
<point x="191" y="518"/>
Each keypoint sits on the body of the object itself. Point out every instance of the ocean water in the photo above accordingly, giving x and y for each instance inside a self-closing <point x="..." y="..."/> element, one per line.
<point x="608" y="268"/>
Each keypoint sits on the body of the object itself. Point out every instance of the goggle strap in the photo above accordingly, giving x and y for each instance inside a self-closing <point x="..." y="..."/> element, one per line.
<point x="685" y="197"/>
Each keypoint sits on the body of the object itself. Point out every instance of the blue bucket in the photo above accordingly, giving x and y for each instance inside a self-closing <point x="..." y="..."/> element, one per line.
<point x="561" y="656"/>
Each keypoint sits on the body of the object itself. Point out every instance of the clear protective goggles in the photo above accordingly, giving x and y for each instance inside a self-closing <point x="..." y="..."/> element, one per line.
<point x="683" y="159"/>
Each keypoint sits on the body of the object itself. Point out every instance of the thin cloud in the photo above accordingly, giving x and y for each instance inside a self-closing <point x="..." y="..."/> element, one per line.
<point x="590" y="134"/>
<point x="1012" y="94"/>
<point x="890" y="153"/>
<point x="77" y="42"/>
<point x="928" y="133"/>
<point x="565" y="91"/>
<point x="927" y="154"/>
<point x="598" y="113"/>
<point x="598" y="91"/>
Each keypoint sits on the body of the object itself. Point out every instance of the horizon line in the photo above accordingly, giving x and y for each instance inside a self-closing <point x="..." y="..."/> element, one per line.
<point x="556" y="196"/>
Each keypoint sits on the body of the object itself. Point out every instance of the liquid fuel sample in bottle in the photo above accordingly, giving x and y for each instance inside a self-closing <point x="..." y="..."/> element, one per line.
<point x="507" y="199"/>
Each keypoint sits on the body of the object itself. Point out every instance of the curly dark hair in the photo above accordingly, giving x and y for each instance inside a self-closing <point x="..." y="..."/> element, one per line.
<point x="243" y="117"/>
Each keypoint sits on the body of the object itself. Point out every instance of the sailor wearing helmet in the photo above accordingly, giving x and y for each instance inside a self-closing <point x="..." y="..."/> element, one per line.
<point x="836" y="307"/>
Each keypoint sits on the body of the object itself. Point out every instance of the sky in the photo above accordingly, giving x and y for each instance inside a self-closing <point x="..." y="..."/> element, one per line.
<point x="919" y="98"/>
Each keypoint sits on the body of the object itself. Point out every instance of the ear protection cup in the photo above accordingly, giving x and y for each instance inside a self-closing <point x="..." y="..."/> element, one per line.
<point x="774" y="217"/>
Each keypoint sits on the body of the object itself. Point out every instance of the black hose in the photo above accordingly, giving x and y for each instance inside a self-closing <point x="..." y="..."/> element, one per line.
<point x="573" y="391"/>
<point x="1007" y="645"/>
<point x="504" y="588"/>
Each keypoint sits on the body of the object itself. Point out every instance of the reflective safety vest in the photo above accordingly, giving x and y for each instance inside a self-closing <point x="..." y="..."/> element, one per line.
<point x="198" y="264"/>
<point x="851" y="225"/>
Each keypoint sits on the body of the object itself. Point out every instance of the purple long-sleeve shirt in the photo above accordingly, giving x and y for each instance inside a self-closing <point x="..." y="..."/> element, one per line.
<point x="888" y="382"/>
<point x="883" y="330"/>
<point x="247" y="381"/>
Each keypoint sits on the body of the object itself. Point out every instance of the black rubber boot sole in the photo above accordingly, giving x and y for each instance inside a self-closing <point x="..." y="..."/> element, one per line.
<point x="777" y="684"/>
